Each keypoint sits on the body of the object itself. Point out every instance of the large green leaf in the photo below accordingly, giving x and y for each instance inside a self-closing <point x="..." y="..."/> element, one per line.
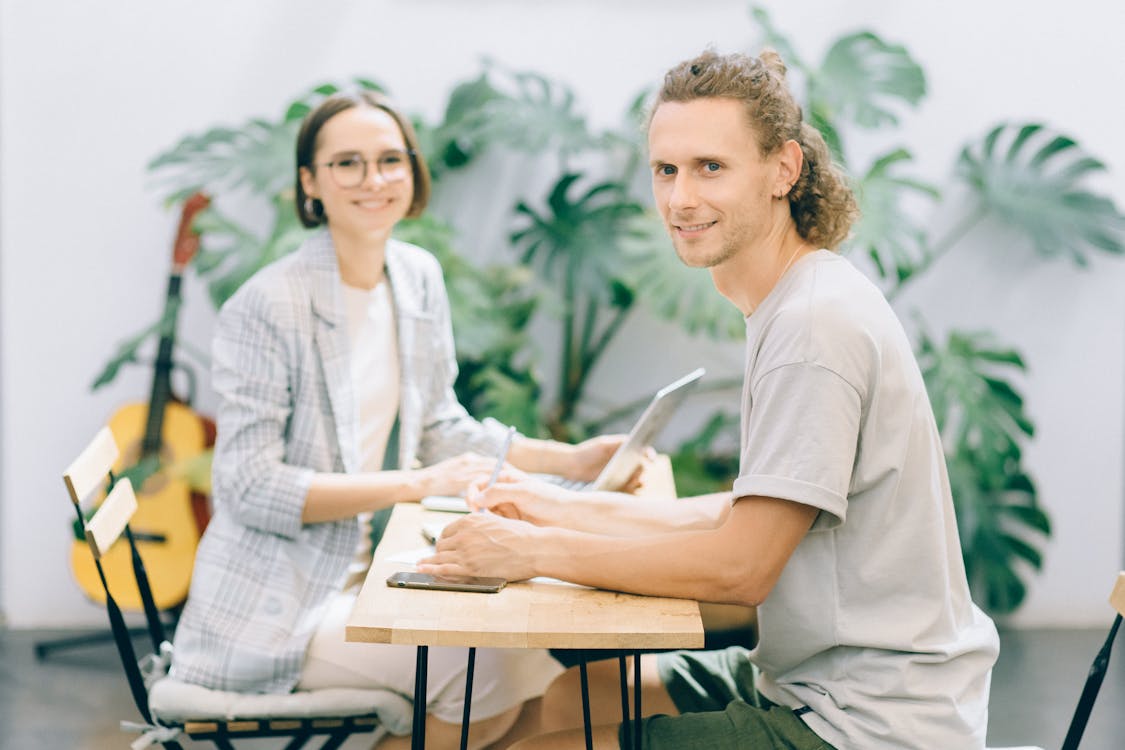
<point x="775" y="39"/>
<point x="671" y="289"/>
<point x="699" y="465"/>
<point x="231" y="253"/>
<point x="862" y="78"/>
<point x="889" y="234"/>
<point x="508" y="395"/>
<point x="460" y="136"/>
<point x="983" y="423"/>
<point x="583" y="233"/>
<point x="535" y="114"/>
<point x="1031" y="178"/>
<point x="256" y="156"/>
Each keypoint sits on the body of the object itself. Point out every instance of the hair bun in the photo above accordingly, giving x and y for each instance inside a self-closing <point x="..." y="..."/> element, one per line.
<point x="772" y="61"/>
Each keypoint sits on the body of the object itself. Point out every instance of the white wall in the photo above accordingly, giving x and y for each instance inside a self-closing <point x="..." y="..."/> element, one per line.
<point x="90" y="91"/>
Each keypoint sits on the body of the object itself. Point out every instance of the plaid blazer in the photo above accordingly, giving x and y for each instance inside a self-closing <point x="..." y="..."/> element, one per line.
<point x="287" y="410"/>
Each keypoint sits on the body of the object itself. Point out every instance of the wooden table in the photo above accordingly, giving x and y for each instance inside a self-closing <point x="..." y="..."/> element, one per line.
<point x="522" y="615"/>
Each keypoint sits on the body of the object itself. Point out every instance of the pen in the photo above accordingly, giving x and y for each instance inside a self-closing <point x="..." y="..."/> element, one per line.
<point x="502" y="457"/>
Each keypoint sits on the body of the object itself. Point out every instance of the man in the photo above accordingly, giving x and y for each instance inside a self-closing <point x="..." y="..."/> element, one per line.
<point x="840" y="527"/>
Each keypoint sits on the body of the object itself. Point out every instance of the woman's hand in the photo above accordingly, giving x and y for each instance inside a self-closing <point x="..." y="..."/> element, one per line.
<point x="588" y="458"/>
<point x="453" y="475"/>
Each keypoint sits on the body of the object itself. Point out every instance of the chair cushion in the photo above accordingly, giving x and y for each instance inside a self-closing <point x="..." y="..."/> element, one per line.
<point x="171" y="700"/>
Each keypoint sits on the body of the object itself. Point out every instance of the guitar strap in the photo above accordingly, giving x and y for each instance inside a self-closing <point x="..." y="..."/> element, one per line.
<point x="380" y="518"/>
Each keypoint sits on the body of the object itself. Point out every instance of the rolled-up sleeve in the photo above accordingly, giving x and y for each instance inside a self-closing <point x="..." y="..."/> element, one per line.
<point x="251" y="375"/>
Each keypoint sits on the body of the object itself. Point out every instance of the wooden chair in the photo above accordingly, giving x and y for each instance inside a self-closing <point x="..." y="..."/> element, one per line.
<point x="171" y="709"/>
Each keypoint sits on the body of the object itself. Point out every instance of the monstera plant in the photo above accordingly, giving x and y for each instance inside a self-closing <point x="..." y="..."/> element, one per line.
<point x="583" y="257"/>
<point x="1023" y="176"/>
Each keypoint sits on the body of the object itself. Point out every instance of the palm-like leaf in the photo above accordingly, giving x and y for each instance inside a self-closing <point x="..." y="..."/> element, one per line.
<point x="585" y="234"/>
<point x="537" y="114"/>
<point x="231" y="254"/>
<point x="775" y="39"/>
<point x="1030" y="178"/>
<point x="257" y="155"/>
<point x="672" y="290"/>
<point x="983" y="423"/>
<point x="862" y="77"/>
<point x="453" y="143"/>
<point x="700" y="468"/>
<point x="490" y="306"/>
<point x="510" y="396"/>
<point x="886" y="232"/>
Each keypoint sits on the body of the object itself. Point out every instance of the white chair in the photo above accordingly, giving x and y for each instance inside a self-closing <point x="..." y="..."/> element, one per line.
<point x="171" y="709"/>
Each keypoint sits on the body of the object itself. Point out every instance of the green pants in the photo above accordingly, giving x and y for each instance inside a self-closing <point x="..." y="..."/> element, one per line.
<point x="720" y="708"/>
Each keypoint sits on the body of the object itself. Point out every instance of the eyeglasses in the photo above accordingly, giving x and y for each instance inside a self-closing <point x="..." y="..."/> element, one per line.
<point x="350" y="170"/>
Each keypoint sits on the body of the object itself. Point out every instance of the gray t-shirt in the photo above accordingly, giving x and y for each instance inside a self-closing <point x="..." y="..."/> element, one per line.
<point x="870" y="624"/>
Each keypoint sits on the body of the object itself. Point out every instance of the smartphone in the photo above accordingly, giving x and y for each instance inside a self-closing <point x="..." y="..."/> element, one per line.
<point x="451" y="583"/>
<point x="445" y="503"/>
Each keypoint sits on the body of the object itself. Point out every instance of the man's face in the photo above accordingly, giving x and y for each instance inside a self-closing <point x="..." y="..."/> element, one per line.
<point x="711" y="186"/>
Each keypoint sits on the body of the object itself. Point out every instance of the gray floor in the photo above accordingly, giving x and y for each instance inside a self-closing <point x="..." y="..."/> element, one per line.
<point x="75" y="699"/>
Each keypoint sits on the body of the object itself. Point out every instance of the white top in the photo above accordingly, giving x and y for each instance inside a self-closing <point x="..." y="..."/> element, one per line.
<point x="870" y="624"/>
<point x="375" y="381"/>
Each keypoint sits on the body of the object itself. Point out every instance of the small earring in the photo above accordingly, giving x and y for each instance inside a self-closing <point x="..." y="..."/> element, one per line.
<point x="309" y="207"/>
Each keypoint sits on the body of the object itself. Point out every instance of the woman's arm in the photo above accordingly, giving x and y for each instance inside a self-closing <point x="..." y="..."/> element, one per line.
<point x="332" y="497"/>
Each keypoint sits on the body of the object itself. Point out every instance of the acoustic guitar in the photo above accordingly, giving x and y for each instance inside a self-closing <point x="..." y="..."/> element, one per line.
<point x="154" y="437"/>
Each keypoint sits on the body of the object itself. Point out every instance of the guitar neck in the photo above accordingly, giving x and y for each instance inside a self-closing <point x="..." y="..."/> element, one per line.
<point x="162" y="371"/>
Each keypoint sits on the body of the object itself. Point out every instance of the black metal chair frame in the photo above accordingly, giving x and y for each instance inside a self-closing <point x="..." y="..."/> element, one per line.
<point x="335" y="729"/>
<point x="1097" y="672"/>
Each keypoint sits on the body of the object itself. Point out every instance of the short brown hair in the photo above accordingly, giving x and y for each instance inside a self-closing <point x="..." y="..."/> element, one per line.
<point x="821" y="202"/>
<point x="313" y="214"/>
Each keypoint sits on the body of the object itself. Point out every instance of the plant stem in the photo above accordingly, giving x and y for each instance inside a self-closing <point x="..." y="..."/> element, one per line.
<point x="564" y="406"/>
<point x="940" y="248"/>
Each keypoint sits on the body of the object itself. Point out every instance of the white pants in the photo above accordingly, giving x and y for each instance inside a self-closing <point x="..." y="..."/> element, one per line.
<point x="502" y="677"/>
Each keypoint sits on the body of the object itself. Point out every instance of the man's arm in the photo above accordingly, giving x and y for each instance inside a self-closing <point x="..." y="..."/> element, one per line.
<point x="607" y="513"/>
<point x="738" y="562"/>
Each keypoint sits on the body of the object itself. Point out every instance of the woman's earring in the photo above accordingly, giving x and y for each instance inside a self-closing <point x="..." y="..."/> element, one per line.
<point x="309" y="207"/>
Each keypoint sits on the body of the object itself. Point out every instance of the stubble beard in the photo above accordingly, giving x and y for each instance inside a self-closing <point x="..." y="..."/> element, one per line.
<point x="728" y="248"/>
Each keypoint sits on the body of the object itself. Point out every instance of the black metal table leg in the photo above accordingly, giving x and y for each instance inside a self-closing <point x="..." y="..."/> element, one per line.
<point x="637" y="700"/>
<point x="626" y="725"/>
<point x="586" y="701"/>
<point x="468" y="698"/>
<point x="418" y="731"/>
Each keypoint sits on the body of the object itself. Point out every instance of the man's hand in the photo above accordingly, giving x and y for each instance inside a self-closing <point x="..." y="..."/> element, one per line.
<point x="524" y="499"/>
<point x="483" y="544"/>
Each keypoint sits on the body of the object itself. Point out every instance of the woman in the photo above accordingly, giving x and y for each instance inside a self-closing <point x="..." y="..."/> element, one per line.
<point x="334" y="367"/>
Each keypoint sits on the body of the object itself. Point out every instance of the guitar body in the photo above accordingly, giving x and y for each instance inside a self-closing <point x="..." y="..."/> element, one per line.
<point x="164" y="509"/>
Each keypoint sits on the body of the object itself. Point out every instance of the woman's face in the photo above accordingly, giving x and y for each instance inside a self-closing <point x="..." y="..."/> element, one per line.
<point x="361" y="173"/>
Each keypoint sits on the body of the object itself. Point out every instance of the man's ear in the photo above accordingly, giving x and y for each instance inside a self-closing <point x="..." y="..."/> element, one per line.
<point x="308" y="184"/>
<point x="790" y="160"/>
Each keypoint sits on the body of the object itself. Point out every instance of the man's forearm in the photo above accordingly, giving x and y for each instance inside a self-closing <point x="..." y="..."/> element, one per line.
<point x="619" y="514"/>
<point x="688" y="565"/>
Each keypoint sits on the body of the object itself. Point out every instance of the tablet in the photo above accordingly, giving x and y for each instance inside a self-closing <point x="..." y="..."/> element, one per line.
<point x="656" y="415"/>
